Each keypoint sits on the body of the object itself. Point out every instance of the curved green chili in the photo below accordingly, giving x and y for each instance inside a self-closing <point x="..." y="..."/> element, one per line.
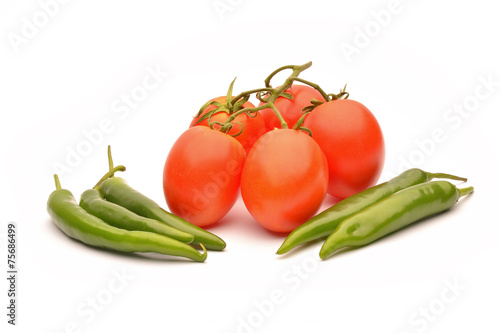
<point x="392" y="213"/>
<point x="119" y="192"/>
<point x="327" y="221"/>
<point x="93" y="202"/>
<point x="75" y="222"/>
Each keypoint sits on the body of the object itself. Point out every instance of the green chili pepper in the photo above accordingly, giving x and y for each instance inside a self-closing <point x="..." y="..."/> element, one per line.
<point x="323" y="224"/>
<point x="93" y="202"/>
<point x="393" y="213"/>
<point x="119" y="192"/>
<point x="75" y="222"/>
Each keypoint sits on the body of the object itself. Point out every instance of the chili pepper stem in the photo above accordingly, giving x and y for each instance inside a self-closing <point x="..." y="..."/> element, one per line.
<point x="110" y="160"/>
<point x="464" y="191"/>
<point x="107" y="175"/>
<point x="445" y="176"/>
<point x="58" y="184"/>
<point x="204" y="255"/>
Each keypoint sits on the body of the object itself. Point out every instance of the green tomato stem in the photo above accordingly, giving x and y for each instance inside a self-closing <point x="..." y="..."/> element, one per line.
<point x="229" y="94"/>
<point x="299" y="122"/>
<point x="315" y="86"/>
<point x="249" y="92"/>
<point x="267" y="81"/>
<point x="274" y="93"/>
<point x="280" y="117"/>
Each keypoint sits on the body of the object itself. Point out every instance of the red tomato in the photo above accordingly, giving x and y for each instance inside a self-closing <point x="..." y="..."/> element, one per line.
<point x="290" y="110"/>
<point x="202" y="174"/>
<point x="353" y="144"/>
<point x="284" y="179"/>
<point x="253" y="127"/>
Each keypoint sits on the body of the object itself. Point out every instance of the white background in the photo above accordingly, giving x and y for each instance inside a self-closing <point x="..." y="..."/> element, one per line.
<point x="411" y="70"/>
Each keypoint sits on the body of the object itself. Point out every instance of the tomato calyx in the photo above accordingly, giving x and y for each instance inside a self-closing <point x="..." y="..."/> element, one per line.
<point x="230" y="106"/>
<point x="264" y="97"/>
<point x="273" y="93"/>
<point x="234" y="106"/>
<point x="315" y="103"/>
<point x="227" y="106"/>
<point x="298" y="125"/>
<point x="329" y="97"/>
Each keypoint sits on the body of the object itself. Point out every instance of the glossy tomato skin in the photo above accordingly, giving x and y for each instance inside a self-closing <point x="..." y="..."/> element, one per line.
<point x="290" y="110"/>
<point x="201" y="177"/>
<point x="253" y="127"/>
<point x="352" y="141"/>
<point x="284" y="179"/>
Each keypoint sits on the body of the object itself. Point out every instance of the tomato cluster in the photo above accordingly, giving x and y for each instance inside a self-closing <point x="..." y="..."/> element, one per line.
<point x="286" y="154"/>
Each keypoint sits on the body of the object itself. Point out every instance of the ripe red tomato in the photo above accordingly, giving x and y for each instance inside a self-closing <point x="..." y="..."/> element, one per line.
<point x="284" y="179"/>
<point x="352" y="141"/>
<point x="290" y="110"/>
<point x="202" y="175"/>
<point x="253" y="127"/>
